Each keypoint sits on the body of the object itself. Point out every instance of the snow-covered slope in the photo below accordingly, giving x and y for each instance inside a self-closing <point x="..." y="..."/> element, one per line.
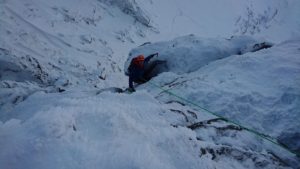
<point x="84" y="130"/>
<point x="259" y="90"/>
<point x="266" y="82"/>
<point x="74" y="43"/>
<point x="63" y="44"/>
<point x="89" y="40"/>
<point x="74" y="36"/>
<point x="57" y="56"/>
<point x="277" y="20"/>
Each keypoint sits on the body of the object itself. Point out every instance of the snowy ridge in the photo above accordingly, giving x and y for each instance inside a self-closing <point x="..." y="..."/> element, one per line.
<point x="196" y="52"/>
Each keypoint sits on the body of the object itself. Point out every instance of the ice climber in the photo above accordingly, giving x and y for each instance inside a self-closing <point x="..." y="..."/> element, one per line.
<point x="139" y="70"/>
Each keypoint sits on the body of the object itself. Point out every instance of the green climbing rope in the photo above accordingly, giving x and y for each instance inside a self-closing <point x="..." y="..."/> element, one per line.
<point x="261" y="135"/>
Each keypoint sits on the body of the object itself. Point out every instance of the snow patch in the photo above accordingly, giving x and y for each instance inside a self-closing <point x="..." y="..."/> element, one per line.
<point x="189" y="53"/>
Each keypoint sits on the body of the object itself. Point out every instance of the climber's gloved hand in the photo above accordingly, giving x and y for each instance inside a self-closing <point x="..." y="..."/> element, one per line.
<point x="130" y="89"/>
